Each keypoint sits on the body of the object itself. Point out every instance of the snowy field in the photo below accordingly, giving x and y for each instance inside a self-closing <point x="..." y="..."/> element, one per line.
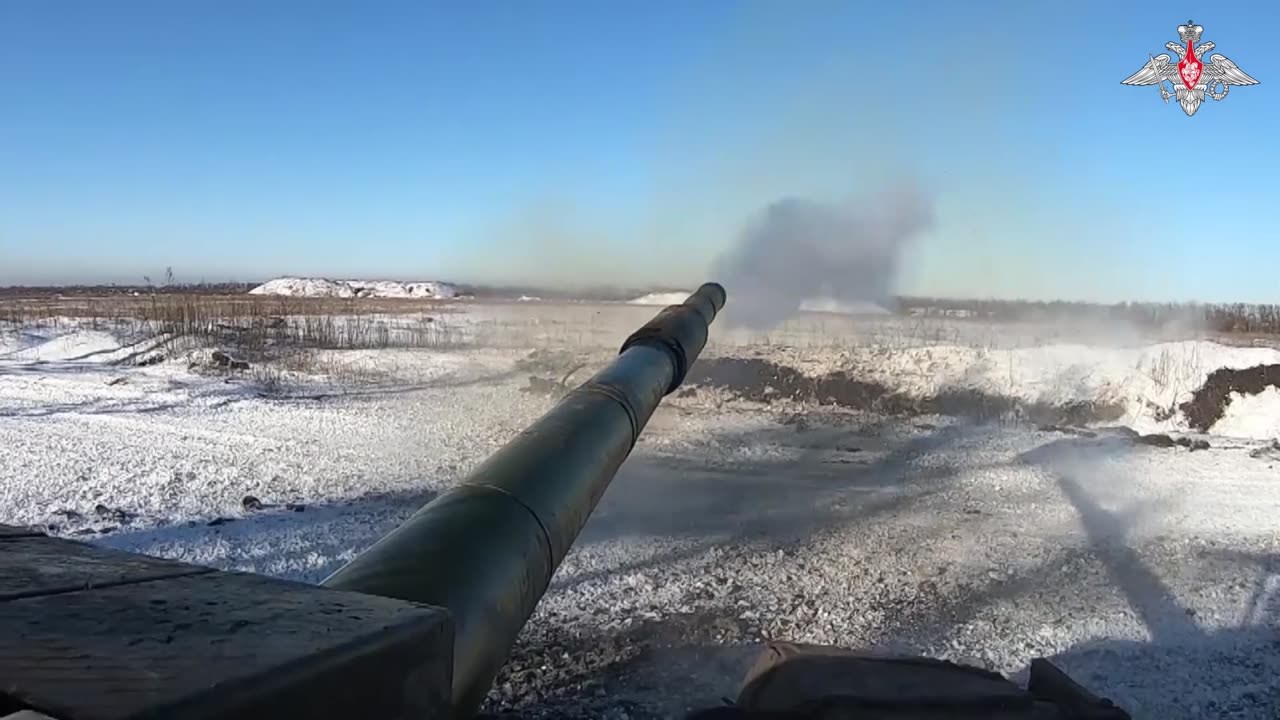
<point x="984" y="496"/>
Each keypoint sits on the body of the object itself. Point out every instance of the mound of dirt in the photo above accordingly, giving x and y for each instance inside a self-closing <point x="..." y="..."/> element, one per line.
<point x="1208" y="404"/>
<point x="763" y="381"/>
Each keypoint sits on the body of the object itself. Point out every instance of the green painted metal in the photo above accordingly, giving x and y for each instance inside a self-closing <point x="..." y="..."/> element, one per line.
<point x="486" y="550"/>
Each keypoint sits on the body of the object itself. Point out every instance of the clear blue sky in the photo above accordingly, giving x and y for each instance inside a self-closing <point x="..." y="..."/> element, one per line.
<point x="627" y="141"/>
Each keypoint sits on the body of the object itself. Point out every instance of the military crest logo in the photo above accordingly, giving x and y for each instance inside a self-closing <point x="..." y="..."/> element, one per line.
<point x="1192" y="77"/>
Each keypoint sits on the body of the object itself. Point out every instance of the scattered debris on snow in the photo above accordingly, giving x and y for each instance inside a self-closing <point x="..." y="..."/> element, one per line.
<point x="221" y="359"/>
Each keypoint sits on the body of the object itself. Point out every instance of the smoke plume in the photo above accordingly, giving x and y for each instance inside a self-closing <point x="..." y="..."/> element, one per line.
<point x="798" y="250"/>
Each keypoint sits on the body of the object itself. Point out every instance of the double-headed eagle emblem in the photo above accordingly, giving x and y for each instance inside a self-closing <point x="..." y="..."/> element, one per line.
<point x="1192" y="77"/>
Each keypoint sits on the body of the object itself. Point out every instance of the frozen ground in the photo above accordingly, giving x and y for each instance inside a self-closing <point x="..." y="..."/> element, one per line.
<point x="1151" y="574"/>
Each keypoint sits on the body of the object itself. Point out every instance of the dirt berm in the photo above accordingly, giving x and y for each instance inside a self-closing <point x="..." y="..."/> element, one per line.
<point x="767" y="382"/>
<point x="1209" y="403"/>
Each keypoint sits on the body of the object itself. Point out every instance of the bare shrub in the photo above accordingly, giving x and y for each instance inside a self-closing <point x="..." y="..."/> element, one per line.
<point x="269" y="379"/>
<point x="255" y="326"/>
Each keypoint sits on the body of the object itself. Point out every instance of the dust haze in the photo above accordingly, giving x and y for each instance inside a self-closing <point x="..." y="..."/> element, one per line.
<point x="799" y="249"/>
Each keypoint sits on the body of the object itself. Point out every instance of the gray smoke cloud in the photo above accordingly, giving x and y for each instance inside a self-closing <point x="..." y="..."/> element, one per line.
<point x="799" y="249"/>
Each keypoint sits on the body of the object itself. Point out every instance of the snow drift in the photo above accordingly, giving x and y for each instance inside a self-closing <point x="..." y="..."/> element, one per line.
<point x="660" y="298"/>
<point x="320" y="287"/>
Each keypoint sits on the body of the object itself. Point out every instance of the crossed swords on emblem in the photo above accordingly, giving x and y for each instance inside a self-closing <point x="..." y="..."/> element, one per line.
<point x="1186" y="74"/>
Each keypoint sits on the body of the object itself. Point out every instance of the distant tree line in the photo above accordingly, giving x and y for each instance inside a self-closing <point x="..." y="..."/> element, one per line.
<point x="1252" y="318"/>
<point x="107" y="289"/>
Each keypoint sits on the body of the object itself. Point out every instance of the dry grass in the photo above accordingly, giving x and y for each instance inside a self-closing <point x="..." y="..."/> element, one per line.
<point x="252" y="325"/>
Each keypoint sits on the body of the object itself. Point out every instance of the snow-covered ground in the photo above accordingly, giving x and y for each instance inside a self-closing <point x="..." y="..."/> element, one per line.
<point x="1252" y="416"/>
<point x="320" y="287"/>
<point x="1151" y="574"/>
<point x="661" y="298"/>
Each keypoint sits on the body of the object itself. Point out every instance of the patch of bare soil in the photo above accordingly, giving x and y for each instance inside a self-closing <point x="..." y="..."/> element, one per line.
<point x="1208" y="404"/>
<point x="566" y="369"/>
<point x="763" y="381"/>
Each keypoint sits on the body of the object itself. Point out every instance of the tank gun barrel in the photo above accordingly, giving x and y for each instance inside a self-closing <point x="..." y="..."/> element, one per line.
<point x="486" y="549"/>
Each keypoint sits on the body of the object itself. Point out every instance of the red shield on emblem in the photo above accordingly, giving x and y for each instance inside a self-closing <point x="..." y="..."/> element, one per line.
<point x="1189" y="68"/>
